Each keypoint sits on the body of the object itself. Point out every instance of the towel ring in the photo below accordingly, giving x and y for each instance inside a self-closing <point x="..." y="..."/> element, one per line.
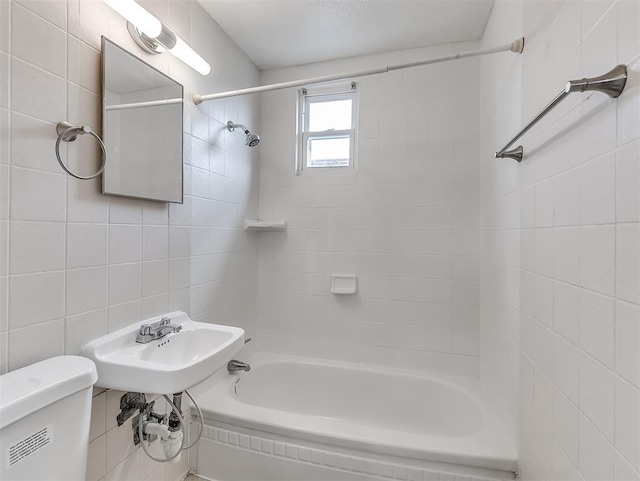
<point x="69" y="133"/>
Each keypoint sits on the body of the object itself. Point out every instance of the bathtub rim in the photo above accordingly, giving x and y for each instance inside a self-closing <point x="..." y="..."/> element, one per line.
<point x="219" y="405"/>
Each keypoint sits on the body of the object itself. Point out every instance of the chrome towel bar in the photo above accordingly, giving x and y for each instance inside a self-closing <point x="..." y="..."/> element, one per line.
<point x="611" y="83"/>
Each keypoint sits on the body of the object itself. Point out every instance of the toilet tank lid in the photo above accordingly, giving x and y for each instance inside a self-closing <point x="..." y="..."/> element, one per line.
<point x="26" y="390"/>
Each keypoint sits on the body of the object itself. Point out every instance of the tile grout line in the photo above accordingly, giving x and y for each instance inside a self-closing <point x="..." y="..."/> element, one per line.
<point x="9" y="179"/>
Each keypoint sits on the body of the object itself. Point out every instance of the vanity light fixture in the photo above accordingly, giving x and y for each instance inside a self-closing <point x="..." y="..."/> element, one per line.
<point x="155" y="37"/>
<point x="137" y="15"/>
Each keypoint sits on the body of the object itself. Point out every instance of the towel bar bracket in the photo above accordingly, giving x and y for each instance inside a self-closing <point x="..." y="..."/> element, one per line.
<point x="612" y="83"/>
<point x="515" y="154"/>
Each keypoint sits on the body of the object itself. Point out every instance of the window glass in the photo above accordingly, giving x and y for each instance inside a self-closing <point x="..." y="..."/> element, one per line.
<point x="332" y="115"/>
<point x="328" y="152"/>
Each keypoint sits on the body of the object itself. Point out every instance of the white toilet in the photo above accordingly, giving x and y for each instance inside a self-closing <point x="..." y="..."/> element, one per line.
<point x="45" y="414"/>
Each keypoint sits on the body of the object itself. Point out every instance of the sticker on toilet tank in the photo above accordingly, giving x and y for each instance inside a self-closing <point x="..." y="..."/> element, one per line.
<point x="29" y="445"/>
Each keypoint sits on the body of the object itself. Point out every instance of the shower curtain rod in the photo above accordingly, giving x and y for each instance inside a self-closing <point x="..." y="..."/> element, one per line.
<point x="139" y="105"/>
<point x="515" y="47"/>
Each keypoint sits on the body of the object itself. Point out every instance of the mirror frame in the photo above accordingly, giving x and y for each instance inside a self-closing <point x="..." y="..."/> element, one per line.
<point x="104" y="41"/>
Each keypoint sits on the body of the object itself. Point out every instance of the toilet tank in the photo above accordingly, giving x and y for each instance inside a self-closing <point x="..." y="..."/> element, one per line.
<point x="45" y="414"/>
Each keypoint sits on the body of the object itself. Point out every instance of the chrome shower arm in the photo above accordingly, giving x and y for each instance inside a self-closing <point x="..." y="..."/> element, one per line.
<point x="252" y="139"/>
<point x="231" y="126"/>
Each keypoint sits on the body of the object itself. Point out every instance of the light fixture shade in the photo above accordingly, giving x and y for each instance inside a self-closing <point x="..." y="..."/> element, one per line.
<point x="155" y="37"/>
<point x="185" y="53"/>
<point x="137" y="16"/>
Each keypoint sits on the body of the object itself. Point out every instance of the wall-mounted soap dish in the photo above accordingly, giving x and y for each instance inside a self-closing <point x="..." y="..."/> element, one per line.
<point x="344" y="284"/>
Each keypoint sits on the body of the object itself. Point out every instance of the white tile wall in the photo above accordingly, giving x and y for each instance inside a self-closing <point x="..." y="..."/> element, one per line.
<point x="75" y="264"/>
<point x="406" y="222"/>
<point x="554" y="298"/>
<point x="573" y="402"/>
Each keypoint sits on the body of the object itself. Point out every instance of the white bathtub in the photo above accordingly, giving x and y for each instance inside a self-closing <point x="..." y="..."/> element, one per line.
<point x="419" y="421"/>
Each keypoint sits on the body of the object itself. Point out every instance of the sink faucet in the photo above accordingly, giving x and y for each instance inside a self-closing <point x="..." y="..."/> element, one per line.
<point x="234" y="365"/>
<point x="157" y="330"/>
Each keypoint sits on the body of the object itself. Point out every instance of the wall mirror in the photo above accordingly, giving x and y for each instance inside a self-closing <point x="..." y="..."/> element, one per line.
<point x="142" y="128"/>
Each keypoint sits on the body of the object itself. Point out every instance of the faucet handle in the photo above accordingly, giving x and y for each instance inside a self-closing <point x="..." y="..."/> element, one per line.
<point x="165" y="320"/>
<point x="145" y="330"/>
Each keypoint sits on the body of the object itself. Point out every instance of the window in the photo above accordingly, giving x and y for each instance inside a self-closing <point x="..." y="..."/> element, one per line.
<point x="327" y="126"/>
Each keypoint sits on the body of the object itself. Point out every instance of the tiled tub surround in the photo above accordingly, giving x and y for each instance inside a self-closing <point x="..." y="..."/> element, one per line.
<point x="75" y="264"/>
<point x="560" y="255"/>
<point x="344" y="418"/>
<point x="405" y="221"/>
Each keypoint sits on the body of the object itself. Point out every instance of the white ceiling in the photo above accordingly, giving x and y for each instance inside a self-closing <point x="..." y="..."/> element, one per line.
<point x="279" y="33"/>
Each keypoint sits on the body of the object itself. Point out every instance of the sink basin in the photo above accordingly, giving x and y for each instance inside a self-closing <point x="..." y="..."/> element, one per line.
<point x="171" y="364"/>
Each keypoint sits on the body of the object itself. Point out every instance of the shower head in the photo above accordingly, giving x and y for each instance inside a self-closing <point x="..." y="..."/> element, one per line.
<point x="252" y="139"/>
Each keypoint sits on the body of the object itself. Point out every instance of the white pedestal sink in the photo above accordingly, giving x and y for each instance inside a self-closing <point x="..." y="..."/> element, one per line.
<point x="170" y="364"/>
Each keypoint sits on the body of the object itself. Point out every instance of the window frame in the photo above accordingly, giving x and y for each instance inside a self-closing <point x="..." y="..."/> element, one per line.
<point x="307" y="96"/>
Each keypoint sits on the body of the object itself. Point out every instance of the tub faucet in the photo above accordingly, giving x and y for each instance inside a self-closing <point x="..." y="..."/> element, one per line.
<point x="235" y="365"/>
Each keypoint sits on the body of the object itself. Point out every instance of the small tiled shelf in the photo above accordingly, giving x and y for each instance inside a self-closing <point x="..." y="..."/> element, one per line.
<point x="265" y="225"/>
